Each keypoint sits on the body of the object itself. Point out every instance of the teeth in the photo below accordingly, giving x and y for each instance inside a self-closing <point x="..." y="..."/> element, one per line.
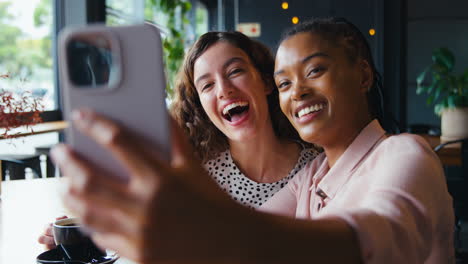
<point x="310" y="109"/>
<point x="233" y="105"/>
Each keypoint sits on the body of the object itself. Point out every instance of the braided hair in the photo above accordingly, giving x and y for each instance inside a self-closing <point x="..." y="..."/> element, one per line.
<point x="342" y="32"/>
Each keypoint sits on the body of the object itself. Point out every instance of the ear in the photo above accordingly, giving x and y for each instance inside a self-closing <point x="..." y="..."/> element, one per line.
<point x="367" y="76"/>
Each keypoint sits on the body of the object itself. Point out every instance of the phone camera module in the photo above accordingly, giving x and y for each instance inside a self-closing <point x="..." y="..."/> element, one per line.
<point x="91" y="61"/>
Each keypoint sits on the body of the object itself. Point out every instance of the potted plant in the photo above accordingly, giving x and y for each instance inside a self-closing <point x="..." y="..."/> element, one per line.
<point x="448" y="92"/>
<point x="18" y="109"/>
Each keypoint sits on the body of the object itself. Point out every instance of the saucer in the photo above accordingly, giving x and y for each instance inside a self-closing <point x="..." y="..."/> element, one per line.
<point x="55" y="256"/>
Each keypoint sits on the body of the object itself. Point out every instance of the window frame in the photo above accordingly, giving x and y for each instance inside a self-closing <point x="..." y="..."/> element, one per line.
<point x="94" y="12"/>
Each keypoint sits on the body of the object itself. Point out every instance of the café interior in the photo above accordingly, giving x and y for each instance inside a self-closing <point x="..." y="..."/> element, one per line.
<point x="405" y="36"/>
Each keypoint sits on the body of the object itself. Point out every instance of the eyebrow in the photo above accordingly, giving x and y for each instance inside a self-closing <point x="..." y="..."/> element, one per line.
<point x="225" y="65"/>
<point x="306" y="59"/>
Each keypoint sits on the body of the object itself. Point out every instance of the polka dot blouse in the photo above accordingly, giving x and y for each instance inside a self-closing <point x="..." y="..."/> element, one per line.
<point x="244" y="190"/>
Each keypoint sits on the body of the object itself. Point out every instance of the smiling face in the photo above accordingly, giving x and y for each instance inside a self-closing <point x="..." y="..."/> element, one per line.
<point x="232" y="92"/>
<point x="322" y="92"/>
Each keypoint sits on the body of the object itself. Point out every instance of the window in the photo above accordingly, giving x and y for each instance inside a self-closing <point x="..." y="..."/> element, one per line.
<point x="122" y="12"/>
<point x="26" y="49"/>
<point x="201" y="19"/>
<point x="179" y="25"/>
<point x="26" y="55"/>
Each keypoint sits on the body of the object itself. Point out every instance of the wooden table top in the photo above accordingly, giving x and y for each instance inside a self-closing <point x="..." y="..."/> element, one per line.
<point x="26" y="207"/>
<point x="41" y="128"/>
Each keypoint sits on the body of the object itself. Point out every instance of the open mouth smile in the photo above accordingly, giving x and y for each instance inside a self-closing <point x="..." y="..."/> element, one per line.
<point x="235" y="111"/>
<point x="308" y="110"/>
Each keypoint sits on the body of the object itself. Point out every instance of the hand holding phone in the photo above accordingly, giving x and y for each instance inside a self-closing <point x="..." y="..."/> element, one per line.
<point x="117" y="72"/>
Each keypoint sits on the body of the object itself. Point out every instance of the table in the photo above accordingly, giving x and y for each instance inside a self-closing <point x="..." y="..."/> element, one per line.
<point x="26" y="207"/>
<point x="46" y="127"/>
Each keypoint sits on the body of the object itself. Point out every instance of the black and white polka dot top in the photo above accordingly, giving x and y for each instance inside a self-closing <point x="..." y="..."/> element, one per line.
<point x="244" y="190"/>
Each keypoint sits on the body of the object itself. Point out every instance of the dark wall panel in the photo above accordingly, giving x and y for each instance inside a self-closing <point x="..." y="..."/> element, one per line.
<point x="366" y="14"/>
<point x="275" y="20"/>
<point x="432" y="24"/>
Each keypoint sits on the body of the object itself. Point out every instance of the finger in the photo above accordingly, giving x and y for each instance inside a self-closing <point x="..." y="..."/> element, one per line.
<point x="101" y="215"/>
<point x="94" y="191"/>
<point x="61" y="217"/>
<point x="121" y="143"/>
<point x="85" y="178"/>
<point x="48" y="230"/>
<point x="46" y="240"/>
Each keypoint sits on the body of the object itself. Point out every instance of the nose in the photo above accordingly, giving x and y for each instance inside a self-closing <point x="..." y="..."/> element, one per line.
<point x="225" y="88"/>
<point x="299" y="91"/>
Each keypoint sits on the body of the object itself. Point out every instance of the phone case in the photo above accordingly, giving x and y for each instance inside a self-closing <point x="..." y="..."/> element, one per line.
<point x="136" y="100"/>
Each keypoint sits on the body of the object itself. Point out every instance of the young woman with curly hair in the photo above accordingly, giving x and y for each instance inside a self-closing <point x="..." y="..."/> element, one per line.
<point x="227" y="103"/>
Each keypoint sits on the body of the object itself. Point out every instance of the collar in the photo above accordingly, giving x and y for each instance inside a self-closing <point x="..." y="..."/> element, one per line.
<point x="331" y="180"/>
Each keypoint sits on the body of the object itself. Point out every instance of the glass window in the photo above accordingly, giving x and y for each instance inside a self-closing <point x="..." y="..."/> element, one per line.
<point x="26" y="56"/>
<point x="26" y="49"/>
<point x="201" y="19"/>
<point x="180" y="22"/>
<point x="122" y="12"/>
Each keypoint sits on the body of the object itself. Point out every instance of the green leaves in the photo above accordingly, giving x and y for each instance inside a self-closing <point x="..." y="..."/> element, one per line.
<point x="446" y="88"/>
<point x="444" y="59"/>
<point x="174" y="40"/>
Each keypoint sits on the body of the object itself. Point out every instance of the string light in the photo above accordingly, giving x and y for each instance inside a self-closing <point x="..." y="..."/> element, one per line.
<point x="372" y="32"/>
<point x="295" y="20"/>
<point x="285" y="5"/>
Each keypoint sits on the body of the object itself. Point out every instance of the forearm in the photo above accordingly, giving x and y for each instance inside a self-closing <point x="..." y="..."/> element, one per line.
<point x="300" y="241"/>
<point x="254" y="237"/>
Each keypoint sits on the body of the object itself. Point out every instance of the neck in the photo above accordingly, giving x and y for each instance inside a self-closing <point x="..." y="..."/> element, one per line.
<point x="346" y="135"/>
<point x="265" y="158"/>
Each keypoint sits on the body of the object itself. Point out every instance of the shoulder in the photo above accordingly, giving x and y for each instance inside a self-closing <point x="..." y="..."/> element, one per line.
<point x="307" y="172"/>
<point x="406" y="161"/>
<point x="406" y="147"/>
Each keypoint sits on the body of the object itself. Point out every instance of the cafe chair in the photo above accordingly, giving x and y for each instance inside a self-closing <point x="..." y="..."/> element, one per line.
<point x="45" y="151"/>
<point x="15" y="166"/>
<point x="458" y="187"/>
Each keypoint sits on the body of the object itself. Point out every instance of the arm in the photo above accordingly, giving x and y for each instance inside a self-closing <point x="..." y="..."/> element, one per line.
<point x="176" y="213"/>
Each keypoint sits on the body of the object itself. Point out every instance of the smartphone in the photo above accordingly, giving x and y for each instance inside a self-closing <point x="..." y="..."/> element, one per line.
<point x="119" y="73"/>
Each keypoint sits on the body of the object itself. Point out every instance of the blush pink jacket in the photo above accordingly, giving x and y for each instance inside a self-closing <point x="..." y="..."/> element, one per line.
<point x="390" y="190"/>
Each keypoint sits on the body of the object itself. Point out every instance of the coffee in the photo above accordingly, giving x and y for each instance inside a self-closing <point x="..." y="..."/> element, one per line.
<point x="72" y="225"/>
<point x="75" y="244"/>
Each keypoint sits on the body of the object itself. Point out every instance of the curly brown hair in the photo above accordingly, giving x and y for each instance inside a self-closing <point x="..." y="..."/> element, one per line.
<point x="187" y="110"/>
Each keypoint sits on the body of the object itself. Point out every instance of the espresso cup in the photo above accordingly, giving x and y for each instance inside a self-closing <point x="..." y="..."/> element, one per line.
<point x="73" y="243"/>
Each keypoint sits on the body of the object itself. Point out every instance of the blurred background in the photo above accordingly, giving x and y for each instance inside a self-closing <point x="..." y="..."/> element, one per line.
<point x="402" y="33"/>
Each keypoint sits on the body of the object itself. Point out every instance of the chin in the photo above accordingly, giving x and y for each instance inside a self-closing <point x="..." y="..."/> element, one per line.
<point x="308" y="134"/>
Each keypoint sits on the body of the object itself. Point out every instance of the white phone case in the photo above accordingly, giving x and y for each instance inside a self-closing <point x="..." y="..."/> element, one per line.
<point x="136" y="100"/>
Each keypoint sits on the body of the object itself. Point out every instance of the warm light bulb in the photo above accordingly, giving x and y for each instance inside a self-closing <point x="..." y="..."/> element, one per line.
<point x="372" y="32"/>
<point x="295" y="20"/>
<point x="285" y="5"/>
